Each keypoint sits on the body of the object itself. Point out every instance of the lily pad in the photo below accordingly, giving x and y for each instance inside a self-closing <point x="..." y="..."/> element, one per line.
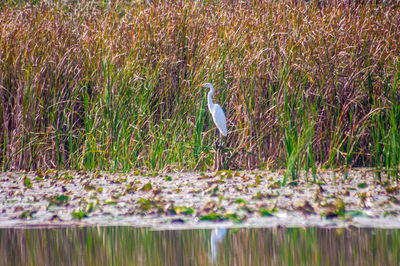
<point x="27" y="182"/>
<point x="146" y="187"/>
<point x="79" y="214"/>
<point x="59" y="200"/>
<point x="212" y="217"/>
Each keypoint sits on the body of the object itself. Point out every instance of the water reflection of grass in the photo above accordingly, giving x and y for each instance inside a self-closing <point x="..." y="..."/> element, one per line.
<point x="139" y="246"/>
<point x="111" y="86"/>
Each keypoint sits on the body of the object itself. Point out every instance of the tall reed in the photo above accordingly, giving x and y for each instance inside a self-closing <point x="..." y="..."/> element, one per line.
<point x="112" y="84"/>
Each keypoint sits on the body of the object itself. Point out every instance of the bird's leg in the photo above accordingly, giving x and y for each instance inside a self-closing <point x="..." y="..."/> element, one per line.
<point x="217" y="161"/>
<point x="219" y="154"/>
<point x="217" y="158"/>
<point x="218" y="145"/>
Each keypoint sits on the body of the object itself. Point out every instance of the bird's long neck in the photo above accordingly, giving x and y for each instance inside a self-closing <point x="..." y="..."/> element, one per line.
<point x="210" y="101"/>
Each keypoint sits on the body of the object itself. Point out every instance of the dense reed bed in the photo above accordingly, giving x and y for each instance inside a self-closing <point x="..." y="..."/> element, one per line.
<point x="98" y="85"/>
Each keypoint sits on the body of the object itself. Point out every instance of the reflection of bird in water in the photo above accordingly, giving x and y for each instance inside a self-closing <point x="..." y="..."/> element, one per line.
<point x="217" y="236"/>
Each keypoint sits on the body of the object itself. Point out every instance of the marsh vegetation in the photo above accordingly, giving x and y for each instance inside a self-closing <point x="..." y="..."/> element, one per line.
<point x="192" y="200"/>
<point x="110" y="85"/>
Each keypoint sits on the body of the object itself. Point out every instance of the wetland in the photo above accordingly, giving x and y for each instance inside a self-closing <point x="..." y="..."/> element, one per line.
<point x="194" y="200"/>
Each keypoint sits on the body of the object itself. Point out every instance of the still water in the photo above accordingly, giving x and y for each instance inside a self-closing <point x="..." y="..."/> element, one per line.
<point x="221" y="246"/>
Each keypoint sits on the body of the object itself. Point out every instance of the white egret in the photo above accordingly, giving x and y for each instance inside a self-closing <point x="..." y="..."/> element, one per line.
<point x="216" y="111"/>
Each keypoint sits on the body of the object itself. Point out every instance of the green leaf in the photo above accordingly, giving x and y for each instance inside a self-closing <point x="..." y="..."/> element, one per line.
<point x="234" y="217"/>
<point x="89" y="207"/>
<point x="146" y="187"/>
<point x="144" y="204"/>
<point x="276" y="184"/>
<point x="79" y="215"/>
<point x="27" y="182"/>
<point x="258" y="195"/>
<point x="66" y="176"/>
<point x="89" y="187"/>
<point x="240" y="201"/>
<point x="362" y="185"/>
<point x="265" y="212"/>
<point x="110" y="202"/>
<point x="212" y="217"/>
<point x="27" y="214"/>
<point x="59" y="200"/>
<point x="183" y="210"/>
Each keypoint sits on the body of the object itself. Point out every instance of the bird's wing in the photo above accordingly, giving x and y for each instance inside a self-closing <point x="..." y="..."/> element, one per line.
<point x="220" y="119"/>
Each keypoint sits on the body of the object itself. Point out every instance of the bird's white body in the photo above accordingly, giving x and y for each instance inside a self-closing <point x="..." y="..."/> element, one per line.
<point x="216" y="111"/>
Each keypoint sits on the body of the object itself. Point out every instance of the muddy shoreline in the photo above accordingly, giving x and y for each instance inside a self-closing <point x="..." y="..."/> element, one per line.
<point x="190" y="200"/>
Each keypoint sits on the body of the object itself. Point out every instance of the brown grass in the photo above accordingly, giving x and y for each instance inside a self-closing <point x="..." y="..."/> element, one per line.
<point x="85" y="85"/>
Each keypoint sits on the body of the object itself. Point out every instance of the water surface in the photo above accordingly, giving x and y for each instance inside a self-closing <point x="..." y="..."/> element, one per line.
<point x="143" y="246"/>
